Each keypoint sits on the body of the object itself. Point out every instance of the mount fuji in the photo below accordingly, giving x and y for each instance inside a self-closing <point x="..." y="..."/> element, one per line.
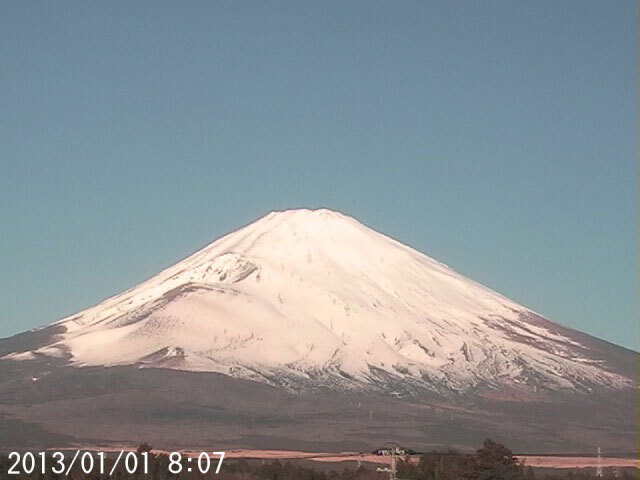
<point x="310" y="311"/>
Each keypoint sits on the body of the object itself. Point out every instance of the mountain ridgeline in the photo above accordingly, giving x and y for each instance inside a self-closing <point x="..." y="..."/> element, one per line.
<point x="307" y="306"/>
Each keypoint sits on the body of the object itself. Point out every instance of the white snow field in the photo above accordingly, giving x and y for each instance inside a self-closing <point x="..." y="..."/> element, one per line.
<point x="312" y="298"/>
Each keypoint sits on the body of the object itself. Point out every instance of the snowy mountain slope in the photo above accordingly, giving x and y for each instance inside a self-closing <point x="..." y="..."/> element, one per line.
<point x="306" y="299"/>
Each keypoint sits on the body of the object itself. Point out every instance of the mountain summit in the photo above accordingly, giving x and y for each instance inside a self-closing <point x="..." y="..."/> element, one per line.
<point x="303" y="299"/>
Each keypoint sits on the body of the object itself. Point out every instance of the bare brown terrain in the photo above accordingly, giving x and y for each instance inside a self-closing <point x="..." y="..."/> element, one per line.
<point x="69" y="406"/>
<point x="537" y="461"/>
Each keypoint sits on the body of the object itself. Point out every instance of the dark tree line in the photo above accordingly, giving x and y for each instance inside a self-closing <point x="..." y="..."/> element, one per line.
<point x="492" y="461"/>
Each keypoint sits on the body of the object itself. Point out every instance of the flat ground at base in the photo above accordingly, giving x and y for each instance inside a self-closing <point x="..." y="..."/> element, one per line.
<point x="536" y="461"/>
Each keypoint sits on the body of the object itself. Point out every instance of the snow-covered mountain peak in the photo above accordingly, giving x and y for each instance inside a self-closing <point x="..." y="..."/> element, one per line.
<point x="312" y="226"/>
<point x="310" y="214"/>
<point x="308" y="298"/>
<point x="294" y="235"/>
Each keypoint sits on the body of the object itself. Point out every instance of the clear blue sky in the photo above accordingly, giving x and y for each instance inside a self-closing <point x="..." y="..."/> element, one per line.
<point x="496" y="136"/>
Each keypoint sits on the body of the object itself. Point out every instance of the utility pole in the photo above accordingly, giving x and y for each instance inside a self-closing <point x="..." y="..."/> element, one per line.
<point x="392" y="474"/>
<point x="599" y="465"/>
<point x="392" y="469"/>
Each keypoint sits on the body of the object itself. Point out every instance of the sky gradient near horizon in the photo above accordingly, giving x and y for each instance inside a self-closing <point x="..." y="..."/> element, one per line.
<point x="497" y="137"/>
